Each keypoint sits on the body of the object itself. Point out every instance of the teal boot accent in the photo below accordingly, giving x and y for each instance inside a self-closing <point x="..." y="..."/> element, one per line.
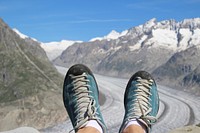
<point x="141" y="100"/>
<point x="81" y="97"/>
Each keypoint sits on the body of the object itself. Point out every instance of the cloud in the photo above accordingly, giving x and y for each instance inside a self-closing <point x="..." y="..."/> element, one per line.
<point x="99" y="20"/>
<point x="43" y="16"/>
<point x="48" y="26"/>
<point x="64" y="22"/>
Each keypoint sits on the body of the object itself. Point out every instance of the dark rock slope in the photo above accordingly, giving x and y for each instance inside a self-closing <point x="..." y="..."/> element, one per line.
<point x="30" y="87"/>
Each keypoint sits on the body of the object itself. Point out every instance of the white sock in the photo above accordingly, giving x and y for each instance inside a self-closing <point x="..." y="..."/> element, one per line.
<point x="135" y="122"/>
<point x="95" y="124"/>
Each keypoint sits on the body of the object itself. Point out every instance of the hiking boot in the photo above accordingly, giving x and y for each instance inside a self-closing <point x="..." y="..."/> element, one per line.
<point x="80" y="96"/>
<point x="141" y="100"/>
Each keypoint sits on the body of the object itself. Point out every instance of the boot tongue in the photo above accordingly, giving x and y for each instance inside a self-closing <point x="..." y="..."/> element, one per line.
<point x="77" y="71"/>
<point x="143" y="75"/>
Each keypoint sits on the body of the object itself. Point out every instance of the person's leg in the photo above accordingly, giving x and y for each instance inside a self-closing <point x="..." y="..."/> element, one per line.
<point x="141" y="102"/>
<point x="80" y="96"/>
<point x="88" y="130"/>
<point x="134" y="129"/>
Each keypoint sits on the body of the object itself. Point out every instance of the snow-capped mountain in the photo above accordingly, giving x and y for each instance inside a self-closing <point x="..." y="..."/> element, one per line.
<point x="164" y="48"/>
<point x="112" y="35"/>
<point x="20" y="34"/>
<point x="23" y="36"/>
<point x="151" y="42"/>
<point x="54" y="49"/>
<point x="169" y="34"/>
<point x="144" y="47"/>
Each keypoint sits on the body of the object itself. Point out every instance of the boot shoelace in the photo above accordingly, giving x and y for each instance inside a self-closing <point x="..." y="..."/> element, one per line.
<point x="141" y="106"/>
<point x="85" y="104"/>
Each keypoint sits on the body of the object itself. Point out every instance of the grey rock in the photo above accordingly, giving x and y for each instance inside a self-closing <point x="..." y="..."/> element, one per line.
<point x="140" y="49"/>
<point x="28" y="82"/>
<point x="181" y="70"/>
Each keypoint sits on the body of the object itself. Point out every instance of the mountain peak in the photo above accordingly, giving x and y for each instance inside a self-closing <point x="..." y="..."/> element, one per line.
<point x="23" y="36"/>
<point x="190" y="23"/>
<point x="20" y="34"/>
<point x="151" y="22"/>
<point x="111" y="36"/>
<point x="193" y="20"/>
<point x="2" y="23"/>
<point x="54" y="49"/>
<point x="165" y="37"/>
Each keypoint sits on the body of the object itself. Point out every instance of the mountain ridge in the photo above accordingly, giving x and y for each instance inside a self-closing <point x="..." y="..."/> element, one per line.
<point x="144" y="47"/>
<point x="54" y="49"/>
<point x="28" y="82"/>
<point x="148" y="46"/>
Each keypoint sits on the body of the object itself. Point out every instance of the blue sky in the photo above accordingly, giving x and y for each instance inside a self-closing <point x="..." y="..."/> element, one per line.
<point x="55" y="20"/>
